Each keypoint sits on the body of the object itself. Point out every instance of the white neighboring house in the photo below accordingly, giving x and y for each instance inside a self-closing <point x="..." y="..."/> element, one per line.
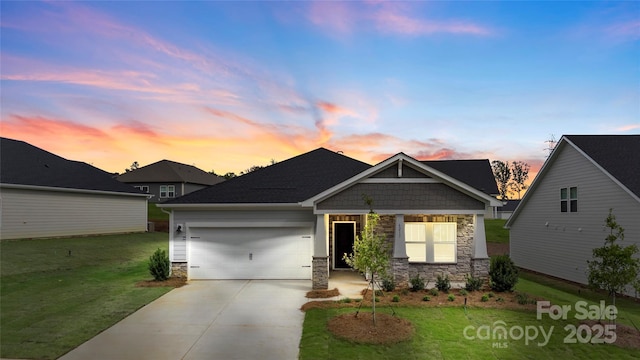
<point x="44" y="195"/>
<point x="561" y="219"/>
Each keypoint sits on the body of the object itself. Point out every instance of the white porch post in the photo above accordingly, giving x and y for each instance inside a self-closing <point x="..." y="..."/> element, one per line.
<point x="320" y="239"/>
<point x="399" y="247"/>
<point x="479" y="238"/>
<point x="320" y="263"/>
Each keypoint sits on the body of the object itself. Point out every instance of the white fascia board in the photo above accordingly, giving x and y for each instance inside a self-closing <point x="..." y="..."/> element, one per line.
<point x="69" y="190"/>
<point x="249" y="224"/>
<point x="245" y="206"/>
<point x="491" y="201"/>
<point x="402" y="211"/>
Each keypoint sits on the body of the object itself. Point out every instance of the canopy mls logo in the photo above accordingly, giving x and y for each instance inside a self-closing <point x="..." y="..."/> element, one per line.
<point x="500" y="333"/>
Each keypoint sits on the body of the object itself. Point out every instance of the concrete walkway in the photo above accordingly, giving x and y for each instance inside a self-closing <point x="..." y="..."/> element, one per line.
<point x="232" y="319"/>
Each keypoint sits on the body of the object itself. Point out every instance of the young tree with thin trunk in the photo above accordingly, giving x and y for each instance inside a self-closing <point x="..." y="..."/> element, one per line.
<point x="519" y="174"/>
<point x="614" y="266"/>
<point x="370" y="251"/>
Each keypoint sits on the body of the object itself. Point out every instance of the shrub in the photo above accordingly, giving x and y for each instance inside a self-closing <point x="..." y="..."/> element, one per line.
<point x="491" y="294"/>
<point x="434" y="292"/>
<point x="346" y="300"/>
<point x="396" y="298"/>
<point x="388" y="284"/>
<point x="500" y="299"/>
<point x="443" y="284"/>
<point x="426" y="298"/>
<point x="485" y="298"/>
<point x="451" y="297"/>
<point x="473" y="283"/>
<point x="464" y="292"/>
<point x="379" y="293"/>
<point x="159" y="265"/>
<point x="417" y="283"/>
<point x="523" y="299"/>
<point x="503" y="273"/>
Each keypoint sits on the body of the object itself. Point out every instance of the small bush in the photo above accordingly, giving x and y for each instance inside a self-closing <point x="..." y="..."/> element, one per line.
<point x="443" y="284"/>
<point x="434" y="292"/>
<point x="346" y="300"/>
<point x="396" y="298"/>
<point x="377" y="299"/>
<point x="417" y="283"/>
<point x="159" y="265"/>
<point x="451" y="297"/>
<point x="388" y="284"/>
<point x="485" y="298"/>
<point x="426" y="298"/>
<point x="491" y="294"/>
<point x="464" y="292"/>
<point x="503" y="273"/>
<point x="500" y="299"/>
<point x="523" y="299"/>
<point x="473" y="283"/>
<point x="379" y="293"/>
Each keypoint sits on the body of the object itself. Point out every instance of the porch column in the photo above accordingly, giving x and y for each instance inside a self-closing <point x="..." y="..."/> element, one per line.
<point x="479" y="259"/>
<point x="320" y="263"/>
<point x="400" y="261"/>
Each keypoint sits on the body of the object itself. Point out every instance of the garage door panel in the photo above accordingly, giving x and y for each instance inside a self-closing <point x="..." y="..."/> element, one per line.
<point x="250" y="253"/>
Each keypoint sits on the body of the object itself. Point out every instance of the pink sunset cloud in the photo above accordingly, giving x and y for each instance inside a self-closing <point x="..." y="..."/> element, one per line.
<point x="386" y="17"/>
<point x="627" y="30"/>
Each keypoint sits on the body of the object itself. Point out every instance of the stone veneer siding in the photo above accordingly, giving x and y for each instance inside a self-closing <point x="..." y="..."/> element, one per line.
<point x="320" y="273"/>
<point x="179" y="269"/>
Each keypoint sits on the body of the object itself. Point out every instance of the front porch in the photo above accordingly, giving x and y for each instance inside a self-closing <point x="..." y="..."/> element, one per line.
<point x="334" y="235"/>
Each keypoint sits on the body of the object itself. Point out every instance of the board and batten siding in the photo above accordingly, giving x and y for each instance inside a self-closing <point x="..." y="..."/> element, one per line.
<point x="546" y="240"/>
<point x="43" y="213"/>
<point x="243" y="218"/>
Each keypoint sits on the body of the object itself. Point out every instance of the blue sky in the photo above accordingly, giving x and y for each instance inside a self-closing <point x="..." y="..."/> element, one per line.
<point x="227" y="85"/>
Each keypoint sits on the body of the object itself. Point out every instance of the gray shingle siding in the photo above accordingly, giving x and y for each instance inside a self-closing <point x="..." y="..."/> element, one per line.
<point x="401" y="196"/>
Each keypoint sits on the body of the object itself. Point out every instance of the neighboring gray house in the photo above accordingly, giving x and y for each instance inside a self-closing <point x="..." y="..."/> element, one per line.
<point x="44" y="195"/>
<point x="295" y="219"/>
<point x="505" y="211"/>
<point x="561" y="218"/>
<point x="167" y="179"/>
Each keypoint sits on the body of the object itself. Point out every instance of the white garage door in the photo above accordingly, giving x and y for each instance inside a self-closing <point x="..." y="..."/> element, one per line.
<point x="250" y="253"/>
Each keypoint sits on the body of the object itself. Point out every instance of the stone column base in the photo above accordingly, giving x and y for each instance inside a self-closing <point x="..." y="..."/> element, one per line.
<point x="179" y="269"/>
<point x="400" y="271"/>
<point x="480" y="268"/>
<point x="320" y="273"/>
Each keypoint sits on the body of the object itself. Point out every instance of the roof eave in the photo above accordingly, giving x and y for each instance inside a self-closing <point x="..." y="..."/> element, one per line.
<point x="71" y="190"/>
<point x="232" y="206"/>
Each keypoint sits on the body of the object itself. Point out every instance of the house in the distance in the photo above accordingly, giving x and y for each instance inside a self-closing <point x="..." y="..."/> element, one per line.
<point x="167" y="179"/>
<point x="45" y="195"/>
<point x="561" y="218"/>
<point x="297" y="218"/>
<point x="505" y="211"/>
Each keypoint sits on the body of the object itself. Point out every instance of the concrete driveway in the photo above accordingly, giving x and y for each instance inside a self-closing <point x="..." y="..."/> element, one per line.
<point x="231" y="319"/>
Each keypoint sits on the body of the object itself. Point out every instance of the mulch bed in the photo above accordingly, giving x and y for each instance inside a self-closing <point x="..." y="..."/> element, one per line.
<point x="387" y="330"/>
<point x="174" y="282"/>
<point x="322" y="294"/>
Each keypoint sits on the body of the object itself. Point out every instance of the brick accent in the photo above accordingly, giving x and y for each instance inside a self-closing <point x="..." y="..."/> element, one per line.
<point x="320" y="273"/>
<point x="179" y="269"/>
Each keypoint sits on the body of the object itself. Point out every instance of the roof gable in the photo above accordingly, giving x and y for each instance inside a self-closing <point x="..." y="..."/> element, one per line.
<point x="475" y="172"/>
<point x="169" y="171"/>
<point x="402" y="161"/>
<point x="618" y="156"/>
<point x="27" y="165"/>
<point x="289" y="181"/>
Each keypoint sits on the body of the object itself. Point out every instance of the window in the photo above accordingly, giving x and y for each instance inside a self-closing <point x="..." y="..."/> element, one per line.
<point x="569" y="199"/>
<point x="167" y="191"/>
<point x="431" y="242"/>
<point x="143" y="188"/>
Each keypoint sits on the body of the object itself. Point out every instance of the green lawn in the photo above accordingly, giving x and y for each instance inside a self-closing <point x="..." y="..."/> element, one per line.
<point x="58" y="293"/>
<point x="495" y="231"/>
<point x="440" y="331"/>
<point x="440" y="334"/>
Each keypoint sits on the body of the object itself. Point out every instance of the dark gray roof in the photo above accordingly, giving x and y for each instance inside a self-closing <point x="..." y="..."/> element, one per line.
<point x="510" y="206"/>
<point x="290" y="181"/>
<point x="25" y="164"/>
<point x="619" y="155"/>
<point x="476" y="173"/>
<point x="165" y="171"/>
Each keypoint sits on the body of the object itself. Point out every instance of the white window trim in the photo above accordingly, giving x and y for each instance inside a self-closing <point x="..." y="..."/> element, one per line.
<point x="430" y="241"/>
<point x="169" y="192"/>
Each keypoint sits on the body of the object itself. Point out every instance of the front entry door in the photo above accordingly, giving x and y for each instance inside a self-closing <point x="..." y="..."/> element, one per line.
<point x="343" y="236"/>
